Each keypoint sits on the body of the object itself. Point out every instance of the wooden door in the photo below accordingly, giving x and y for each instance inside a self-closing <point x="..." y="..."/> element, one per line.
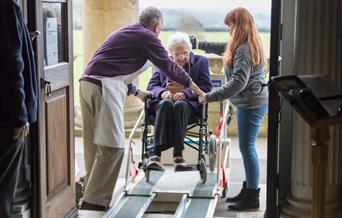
<point x="56" y="136"/>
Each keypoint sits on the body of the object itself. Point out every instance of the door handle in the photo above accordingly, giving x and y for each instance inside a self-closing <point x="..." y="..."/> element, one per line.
<point x="46" y="85"/>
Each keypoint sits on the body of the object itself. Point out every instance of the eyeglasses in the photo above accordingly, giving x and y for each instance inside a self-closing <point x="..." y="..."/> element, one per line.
<point x="256" y="87"/>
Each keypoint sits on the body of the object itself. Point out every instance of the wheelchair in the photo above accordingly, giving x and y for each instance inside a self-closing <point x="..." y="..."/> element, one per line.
<point x="203" y="145"/>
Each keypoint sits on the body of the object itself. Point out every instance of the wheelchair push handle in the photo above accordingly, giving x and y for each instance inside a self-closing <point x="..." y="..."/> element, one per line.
<point x="150" y="96"/>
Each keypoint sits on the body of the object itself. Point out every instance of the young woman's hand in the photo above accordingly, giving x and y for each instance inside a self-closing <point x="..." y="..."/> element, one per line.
<point x="194" y="42"/>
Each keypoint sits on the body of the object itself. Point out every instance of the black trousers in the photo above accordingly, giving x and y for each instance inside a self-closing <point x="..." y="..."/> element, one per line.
<point x="10" y="156"/>
<point x="170" y="125"/>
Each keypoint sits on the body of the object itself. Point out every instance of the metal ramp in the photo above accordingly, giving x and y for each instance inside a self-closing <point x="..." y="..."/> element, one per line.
<point x="135" y="202"/>
<point x="196" y="199"/>
<point x="203" y="199"/>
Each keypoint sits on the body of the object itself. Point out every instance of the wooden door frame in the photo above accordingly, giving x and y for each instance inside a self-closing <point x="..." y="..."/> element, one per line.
<point x="39" y="153"/>
<point x="272" y="209"/>
<point x="31" y="17"/>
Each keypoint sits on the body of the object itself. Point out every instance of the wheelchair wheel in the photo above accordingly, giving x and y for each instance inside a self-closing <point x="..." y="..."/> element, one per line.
<point x="203" y="171"/>
<point x="212" y="153"/>
<point x="147" y="175"/>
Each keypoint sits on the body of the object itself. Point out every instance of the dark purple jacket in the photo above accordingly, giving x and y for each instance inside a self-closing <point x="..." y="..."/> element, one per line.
<point x="199" y="72"/>
<point x="126" y="50"/>
<point x="18" y="90"/>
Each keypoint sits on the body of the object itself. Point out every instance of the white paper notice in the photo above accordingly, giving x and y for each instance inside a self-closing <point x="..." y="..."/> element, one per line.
<point x="51" y="41"/>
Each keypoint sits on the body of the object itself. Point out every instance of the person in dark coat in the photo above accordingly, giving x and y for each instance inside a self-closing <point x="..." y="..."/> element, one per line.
<point x="18" y="98"/>
<point x="176" y="104"/>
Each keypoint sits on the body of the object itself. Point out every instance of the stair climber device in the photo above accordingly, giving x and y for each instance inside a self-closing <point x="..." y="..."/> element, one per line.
<point x="174" y="194"/>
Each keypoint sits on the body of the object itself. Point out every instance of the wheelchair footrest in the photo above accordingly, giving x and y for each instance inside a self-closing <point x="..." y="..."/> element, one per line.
<point x="154" y="167"/>
<point x="181" y="168"/>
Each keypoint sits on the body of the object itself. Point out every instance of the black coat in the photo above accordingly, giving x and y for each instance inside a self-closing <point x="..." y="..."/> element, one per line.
<point x="18" y="83"/>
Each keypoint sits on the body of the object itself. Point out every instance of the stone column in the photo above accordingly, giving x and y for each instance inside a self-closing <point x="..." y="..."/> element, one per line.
<point x="316" y="53"/>
<point x="300" y="198"/>
<point x="101" y="17"/>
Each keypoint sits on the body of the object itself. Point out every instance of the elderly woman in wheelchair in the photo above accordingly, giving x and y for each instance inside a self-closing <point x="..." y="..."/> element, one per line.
<point x="175" y="105"/>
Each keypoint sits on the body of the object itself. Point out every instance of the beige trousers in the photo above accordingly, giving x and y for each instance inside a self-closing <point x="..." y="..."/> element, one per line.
<point x="102" y="163"/>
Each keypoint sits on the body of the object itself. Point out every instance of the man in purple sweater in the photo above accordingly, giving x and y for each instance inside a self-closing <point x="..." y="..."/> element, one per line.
<point x="106" y="82"/>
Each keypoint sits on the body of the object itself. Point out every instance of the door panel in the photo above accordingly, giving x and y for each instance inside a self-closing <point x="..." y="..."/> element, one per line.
<point x="56" y="137"/>
<point x="59" y="74"/>
<point x="57" y="143"/>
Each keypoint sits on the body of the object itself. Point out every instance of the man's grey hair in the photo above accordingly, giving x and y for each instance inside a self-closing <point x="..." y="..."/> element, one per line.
<point x="150" y="17"/>
<point x="177" y="38"/>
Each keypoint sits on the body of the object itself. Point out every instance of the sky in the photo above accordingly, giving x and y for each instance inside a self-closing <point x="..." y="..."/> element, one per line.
<point x="208" y="4"/>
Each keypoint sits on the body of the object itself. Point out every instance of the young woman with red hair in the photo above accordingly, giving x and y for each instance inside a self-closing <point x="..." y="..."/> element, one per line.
<point x="244" y="61"/>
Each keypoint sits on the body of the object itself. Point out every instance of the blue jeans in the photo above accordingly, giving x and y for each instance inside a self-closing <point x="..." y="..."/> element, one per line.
<point x="248" y="121"/>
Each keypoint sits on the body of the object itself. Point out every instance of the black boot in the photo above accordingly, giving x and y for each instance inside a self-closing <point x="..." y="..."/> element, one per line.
<point x="239" y="196"/>
<point x="249" y="201"/>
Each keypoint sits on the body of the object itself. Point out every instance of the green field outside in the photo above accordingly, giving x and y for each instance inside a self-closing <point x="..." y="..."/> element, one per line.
<point x="145" y="77"/>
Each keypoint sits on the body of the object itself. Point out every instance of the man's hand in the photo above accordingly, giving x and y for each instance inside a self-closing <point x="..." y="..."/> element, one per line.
<point x="34" y="34"/>
<point x="178" y="96"/>
<point x="142" y="94"/>
<point x="21" y="132"/>
<point x="196" y="90"/>
<point x="194" y="42"/>
<point x="166" y="95"/>
<point x="202" y="99"/>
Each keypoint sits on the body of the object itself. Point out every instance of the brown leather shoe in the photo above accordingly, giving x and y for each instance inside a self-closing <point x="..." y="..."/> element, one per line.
<point x="89" y="206"/>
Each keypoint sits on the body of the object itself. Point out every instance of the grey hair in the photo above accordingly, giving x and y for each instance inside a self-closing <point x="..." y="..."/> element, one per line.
<point x="151" y="16"/>
<point x="177" y="38"/>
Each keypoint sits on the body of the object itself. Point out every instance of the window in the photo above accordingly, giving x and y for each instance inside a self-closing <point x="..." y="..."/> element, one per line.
<point x="54" y="32"/>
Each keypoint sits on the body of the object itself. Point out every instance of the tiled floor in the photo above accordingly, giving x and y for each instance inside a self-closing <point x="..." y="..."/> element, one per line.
<point x="236" y="176"/>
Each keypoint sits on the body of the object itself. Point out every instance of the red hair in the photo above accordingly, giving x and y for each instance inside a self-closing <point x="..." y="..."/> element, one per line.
<point x="244" y="30"/>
